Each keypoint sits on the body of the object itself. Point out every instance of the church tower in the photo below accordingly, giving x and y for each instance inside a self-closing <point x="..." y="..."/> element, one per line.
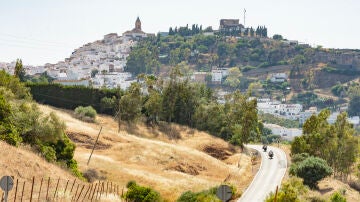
<point x="138" y="24"/>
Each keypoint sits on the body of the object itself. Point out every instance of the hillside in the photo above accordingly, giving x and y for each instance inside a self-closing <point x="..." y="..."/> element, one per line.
<point x="192" y="161"/>
<point x="307" y="68"/>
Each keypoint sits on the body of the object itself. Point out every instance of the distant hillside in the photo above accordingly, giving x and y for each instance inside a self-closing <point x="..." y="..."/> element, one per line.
<point x="257" y="58"/>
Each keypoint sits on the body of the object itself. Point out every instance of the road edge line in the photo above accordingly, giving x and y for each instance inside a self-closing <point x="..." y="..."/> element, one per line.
<point x="254" y="176"/>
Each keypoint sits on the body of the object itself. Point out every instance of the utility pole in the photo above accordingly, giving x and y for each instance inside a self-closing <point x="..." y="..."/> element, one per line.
<point x="94" y="146"/>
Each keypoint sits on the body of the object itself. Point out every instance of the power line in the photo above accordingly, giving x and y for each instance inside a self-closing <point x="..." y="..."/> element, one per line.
<point x="34" y="43"/>
<point x="33" y="39"/>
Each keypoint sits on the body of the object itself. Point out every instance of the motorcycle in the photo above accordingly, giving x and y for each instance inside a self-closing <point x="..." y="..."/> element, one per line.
<point x="271" y="154"/>
<point x="264" y="148"/>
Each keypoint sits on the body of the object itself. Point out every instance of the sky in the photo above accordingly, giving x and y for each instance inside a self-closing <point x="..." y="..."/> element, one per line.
<point x="47" y="31"/>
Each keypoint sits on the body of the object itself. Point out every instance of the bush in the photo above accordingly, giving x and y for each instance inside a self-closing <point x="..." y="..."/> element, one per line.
<point x="138" y="193"/>
<point x="337" y="197"/>
<point x="49" y="153"/>
<point x="291" y="190"/>
<point x="86" y="113"/>
<point x="72" y="165"/>
<point x="91" y="175"/>
<point x="311" y="170"/>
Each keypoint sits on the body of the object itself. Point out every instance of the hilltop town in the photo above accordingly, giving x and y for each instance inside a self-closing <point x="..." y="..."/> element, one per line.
<point x="102" y="64"/>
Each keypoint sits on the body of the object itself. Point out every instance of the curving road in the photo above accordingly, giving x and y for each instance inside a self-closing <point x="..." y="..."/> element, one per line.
<point x="269" y="176"/>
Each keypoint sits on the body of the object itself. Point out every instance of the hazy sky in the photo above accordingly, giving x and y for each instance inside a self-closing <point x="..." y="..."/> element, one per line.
<point x="41" y="31"/>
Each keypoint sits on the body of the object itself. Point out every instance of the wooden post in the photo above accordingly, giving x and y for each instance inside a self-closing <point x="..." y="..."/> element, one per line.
<point x="32" y="188"/>
<point x="67" y="182"/>
<point x="91" y="189"/>
<point x="94" y="146"/>
<point x="86" y="192"/>
<point x="22" y="193"/>
<point x="77" y="188"/>
<point x="93" y="192"/>
<point x="40" y="188"/>
<point x="47" y="190"/>
<point x="72" y="186"/>
<point x="57" y="184"/>
<point x="16" y="187"/>
<point x="80" y="193"/>
<point x="101" y="190"/>
<point x="276" y="193"/>
<point x="107" y="187"/>
<point x="98" y="191"/>
<point x="111" y="187"/>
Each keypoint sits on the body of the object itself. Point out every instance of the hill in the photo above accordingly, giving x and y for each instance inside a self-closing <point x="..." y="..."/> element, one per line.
<point x="308" y="69"/>
<point x="192" y="161"/>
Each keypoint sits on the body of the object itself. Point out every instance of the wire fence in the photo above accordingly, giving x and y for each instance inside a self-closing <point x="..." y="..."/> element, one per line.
<point x="48" y="189"/>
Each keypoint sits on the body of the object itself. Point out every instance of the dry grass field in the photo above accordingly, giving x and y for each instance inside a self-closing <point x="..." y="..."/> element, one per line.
<point x="170" y="158"/>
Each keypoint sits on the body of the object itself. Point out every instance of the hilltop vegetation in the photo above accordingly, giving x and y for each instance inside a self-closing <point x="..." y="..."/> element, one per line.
<point x="255" y="57"/>
<point x="21" y="122"/>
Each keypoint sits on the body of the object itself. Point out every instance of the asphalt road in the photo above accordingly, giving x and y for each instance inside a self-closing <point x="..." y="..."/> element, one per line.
<point x="269" y="176"/>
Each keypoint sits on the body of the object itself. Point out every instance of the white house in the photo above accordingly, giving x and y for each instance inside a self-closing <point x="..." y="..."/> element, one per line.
<point x="285" y="133"/>
<point x="278" y="77"/>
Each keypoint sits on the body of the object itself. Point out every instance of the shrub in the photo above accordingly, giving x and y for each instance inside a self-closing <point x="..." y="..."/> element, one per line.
<point x="91" y="175"/>
<point x="312" y="169"/>
<point x="291" y="190"/>
<point x="138" y="193"/>
<point x="337" y="197"/>
<point x="49" y="153"/>
<point x="72" y="165"/>
<point x="85" y="113"/>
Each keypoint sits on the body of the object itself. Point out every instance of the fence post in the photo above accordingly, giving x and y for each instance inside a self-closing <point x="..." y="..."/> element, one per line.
<point x="80" y="193"/>
<point x="57" y="184"/>
<point x="22" y="193"/>
<point x="107" y="187"/>
<point x="72" y="185"/>
<point x="16" y="187"/>
<point x="32" y="188"/>
<point x="86" y="192"/>
<point x="77" y="188"/>
<point x="93" y="192"/>
<point x="111" y="187"/>
<point x="67" y="182"/>
<point x="91" y="189"/>
<point x="47" y="190"/>
<point x="40" y="188"/>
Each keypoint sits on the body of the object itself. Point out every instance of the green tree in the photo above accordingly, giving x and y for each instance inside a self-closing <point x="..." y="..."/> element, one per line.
<point x="311" y="170"/>
<point x="277" y="37"/>
<point x="233" y="79"/>
<point x="19" y="70"/>
<point x="241" y="119"/>
<point x="354" y="106"/>
<point x="130" y="104"/>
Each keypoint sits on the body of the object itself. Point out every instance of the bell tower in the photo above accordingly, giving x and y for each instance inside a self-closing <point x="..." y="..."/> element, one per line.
<point x="138" y="24"/>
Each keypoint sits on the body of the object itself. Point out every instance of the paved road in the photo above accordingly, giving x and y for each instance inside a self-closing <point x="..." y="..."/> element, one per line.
<point x="268" y="177"/>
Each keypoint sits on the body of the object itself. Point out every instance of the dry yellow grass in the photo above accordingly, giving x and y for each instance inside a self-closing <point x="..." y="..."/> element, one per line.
<point x="151" y="158"/>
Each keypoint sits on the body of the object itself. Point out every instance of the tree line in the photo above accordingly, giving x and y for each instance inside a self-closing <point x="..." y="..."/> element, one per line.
<point x="179" y="101"/>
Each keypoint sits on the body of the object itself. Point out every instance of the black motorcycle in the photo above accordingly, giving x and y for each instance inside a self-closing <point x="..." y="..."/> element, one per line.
<point x="264" y="148"/>
<point x="271" y="154"/>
